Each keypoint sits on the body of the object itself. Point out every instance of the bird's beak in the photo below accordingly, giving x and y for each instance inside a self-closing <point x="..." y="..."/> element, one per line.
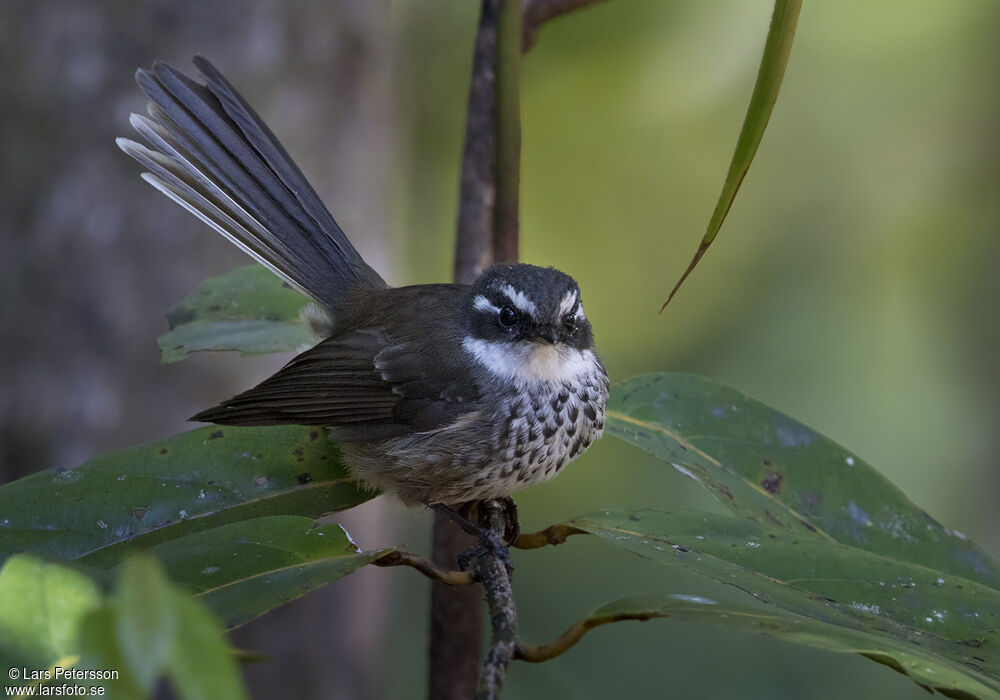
<point x="549" y="335"/>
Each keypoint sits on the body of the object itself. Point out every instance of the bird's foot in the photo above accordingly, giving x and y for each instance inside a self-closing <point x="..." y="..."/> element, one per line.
<point x="488" y="542"/>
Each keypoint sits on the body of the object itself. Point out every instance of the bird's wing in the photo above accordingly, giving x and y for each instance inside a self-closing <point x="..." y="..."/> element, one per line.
<point x="361" y="382"/>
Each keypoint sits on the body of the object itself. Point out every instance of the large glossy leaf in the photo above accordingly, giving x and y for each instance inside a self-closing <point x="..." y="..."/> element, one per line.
<point x="929" y="670"/>
<point x="248" y="309"/>
<point x="765" y="94"/>
<point x="762" y="464"/>
<point x="146" y="495"/>
<point x="929" y="614"/>
<point x="242" y="570"/>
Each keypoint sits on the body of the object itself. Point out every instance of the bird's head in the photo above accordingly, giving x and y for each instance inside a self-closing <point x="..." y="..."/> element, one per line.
<point x="527" y="322"/>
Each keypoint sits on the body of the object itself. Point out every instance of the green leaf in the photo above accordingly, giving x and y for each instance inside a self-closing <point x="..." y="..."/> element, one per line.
<point x="765" y="93"/>
<point x="143" y="496"/>
<point x="929" y="614"/>
<point x="190" y="649"/>
<point x="242" y="570"/>
<point x="41" y="606"/>
<point x="146" y="623"/>
<point x="927" y="669"/>
<point x="100" y="650"/>
<point x="763" y="465"/>
<point x="249" y="309"/>
<point x="200" y="665"/>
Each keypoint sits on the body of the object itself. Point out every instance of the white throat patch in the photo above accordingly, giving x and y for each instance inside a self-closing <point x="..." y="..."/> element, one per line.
<point x="526" y="362"/>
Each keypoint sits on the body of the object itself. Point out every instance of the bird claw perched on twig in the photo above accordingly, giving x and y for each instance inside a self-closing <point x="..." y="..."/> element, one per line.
<point x="488" y="541"/>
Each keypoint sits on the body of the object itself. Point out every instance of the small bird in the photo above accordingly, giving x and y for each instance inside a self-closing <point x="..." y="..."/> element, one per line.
<point x="439" y="393"/>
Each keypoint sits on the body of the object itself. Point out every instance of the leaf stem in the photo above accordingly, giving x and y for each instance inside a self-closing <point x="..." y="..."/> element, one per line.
<point x="567" y="640"/>
<point x="552" y="535"/>
<point x="449" y="577"/>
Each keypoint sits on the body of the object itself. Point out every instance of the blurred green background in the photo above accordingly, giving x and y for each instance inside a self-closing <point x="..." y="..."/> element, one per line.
<point x="853" y="285"/>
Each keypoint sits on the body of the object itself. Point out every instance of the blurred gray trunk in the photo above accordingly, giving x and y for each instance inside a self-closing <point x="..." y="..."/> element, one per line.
<point x="92" y="257"/>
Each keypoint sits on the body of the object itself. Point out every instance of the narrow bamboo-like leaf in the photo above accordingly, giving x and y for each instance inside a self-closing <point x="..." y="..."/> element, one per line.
<point x="928" y="612"/>
<point x="761" y="464"/>
<point x="242" y="570"/>
<point x="41" y="606"/>
<point x="765" y="92"/>
<point x="248" y="309"/>
<point x="145" y="495"/>
<point x="927" y="669"/>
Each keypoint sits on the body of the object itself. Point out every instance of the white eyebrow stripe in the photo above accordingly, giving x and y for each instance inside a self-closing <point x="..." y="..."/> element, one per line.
<point x="519" y="299"/>
<point x="579" y="312"/>
<point x="567" y="303"/>
<point x="481" y="303"/>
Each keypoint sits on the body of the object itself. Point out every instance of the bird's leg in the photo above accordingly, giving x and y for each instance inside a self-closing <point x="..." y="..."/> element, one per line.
<point x="488" y="541"/>
<point x="510" y="515"/>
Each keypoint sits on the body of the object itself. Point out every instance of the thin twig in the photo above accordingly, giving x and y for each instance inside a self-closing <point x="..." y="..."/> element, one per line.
<point x="449" y="577"/>
<point x="538" y="12"/>
<point x="503" y="612"/>
<point x="554" y="534"/>
<point x="564" y="642"/>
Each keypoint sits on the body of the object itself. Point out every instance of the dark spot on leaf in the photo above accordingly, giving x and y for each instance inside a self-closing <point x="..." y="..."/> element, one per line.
<point x="163" y="450"/>
<point x="178" y="316"/>
<point x="215" y="435"/>
<point x="215" y="307"/>
<point x="771" y="518"/>
<point x="633" y="518"/>
<point x="313" y="434"/>
<point x="304" y="478"/>
<point x="973" y="643"/>
<point x="297" y="452"/>
<point x="724" y="490"/>
<point x="681" y="549"/>
<point x="767" y="463"/>
<point x="139" y="513"/>
<point x="808" y="526"/>
<point x="772" y="482"/>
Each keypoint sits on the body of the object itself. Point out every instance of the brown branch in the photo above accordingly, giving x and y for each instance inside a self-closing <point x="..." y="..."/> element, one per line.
<point x="503" y="612"/>
<point x="488" y="232"/>
<point x="449" y="577"/>
<point x="508" y="123"/>
<point x="456" y="621"/>
<point x="474" y="244"/>
<point x="538" y="12"/>
<point x="554" y="534"/>
<point x="564" y="642"/>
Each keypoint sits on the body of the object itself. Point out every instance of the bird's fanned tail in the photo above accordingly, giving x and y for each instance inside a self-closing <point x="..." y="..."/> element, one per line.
<point x="212" y="154"/>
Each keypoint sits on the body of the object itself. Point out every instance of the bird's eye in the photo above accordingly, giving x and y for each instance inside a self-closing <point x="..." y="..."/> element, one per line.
<point x="507" y="317"/>
<point x="569" y="322"/>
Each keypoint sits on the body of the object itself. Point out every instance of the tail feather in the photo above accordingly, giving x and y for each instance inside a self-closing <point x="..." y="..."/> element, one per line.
<point x="212" y="154"/>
